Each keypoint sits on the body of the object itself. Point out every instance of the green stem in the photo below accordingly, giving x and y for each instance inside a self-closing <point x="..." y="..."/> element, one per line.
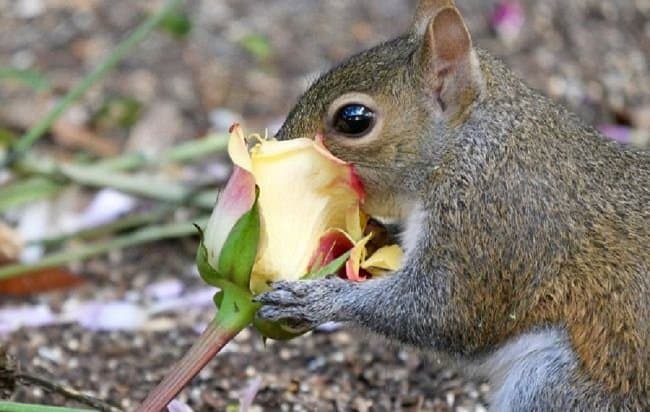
<point x="140" y="185"/>
<point x="184" y="152"/>
<point x="121" y="224"/>
<point x="52" y="179"/>
<point x="147" y="235"/>
<point x="33" y="134"/>
<point x="26" y="191"/>
<point x="26" y="407"/>
<point x="236" y="311"/>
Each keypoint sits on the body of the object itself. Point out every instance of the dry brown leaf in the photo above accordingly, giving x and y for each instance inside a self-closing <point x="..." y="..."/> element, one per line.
<point x="40" y="281"/>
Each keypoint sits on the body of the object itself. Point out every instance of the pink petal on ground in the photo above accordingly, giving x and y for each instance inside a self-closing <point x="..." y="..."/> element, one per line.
<point x="178" y="406"/>
<point x="106" y="206"/>
<point x="248" y="394"/>
<point x="508" y="19"/>
<point x="196" y="299"/>
<point x="163" y="290"/>
<point x="621" y="134"/>
<point x="13" y="318"/>
<point x="111" y="316"/>
<point x="329" y="327"/>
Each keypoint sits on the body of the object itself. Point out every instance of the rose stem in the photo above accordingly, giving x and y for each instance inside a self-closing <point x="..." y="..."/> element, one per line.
<point x="224" y="327"/>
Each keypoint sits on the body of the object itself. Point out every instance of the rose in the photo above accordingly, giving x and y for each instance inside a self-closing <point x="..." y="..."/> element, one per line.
<point x="290" y="210"/>
<point x="309" y="205"/>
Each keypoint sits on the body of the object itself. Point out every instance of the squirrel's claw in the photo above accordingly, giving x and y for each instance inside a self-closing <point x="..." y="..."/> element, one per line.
<point x="307" y="302"/>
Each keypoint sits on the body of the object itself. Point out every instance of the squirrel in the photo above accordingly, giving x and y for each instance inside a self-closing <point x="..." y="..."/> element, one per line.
<point x="526" y="232"/>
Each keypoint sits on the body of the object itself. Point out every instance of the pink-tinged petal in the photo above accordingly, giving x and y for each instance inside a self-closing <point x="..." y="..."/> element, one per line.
<point x="508" y="19"/>
<point x="234" y="201"/>
<point x="238" y="150"/>
<point x="165" y="289"/>
<point x="354" y="273"/>
<point x="191" y="300"/>
<point x="353" y="269"/>
<point x="331" y="245"/>
<point x="320" y="147"/>
<point x="357" y="184"/>
<point x="111" y="316"/>
<point x="330" y="327"/>
<point x="621" y="134"/>
<point x="353" y="177"/>
<point x="107" y="206"/>
<point x="178" y="406"/>
<point x="14" y="318"/>
<point x="248" y="394"/>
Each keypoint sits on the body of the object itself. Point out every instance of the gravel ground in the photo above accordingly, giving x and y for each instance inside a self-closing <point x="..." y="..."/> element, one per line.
<point x="591" y="55"/>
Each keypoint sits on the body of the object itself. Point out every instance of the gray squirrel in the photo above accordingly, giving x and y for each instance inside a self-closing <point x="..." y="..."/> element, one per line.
<point x="526" y="232"/>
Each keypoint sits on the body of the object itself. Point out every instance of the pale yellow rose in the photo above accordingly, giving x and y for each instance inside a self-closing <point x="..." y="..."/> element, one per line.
<point x="310" y="206"/>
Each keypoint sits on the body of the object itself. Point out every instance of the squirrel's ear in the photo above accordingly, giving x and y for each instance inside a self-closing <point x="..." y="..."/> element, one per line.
<point x="425" y="10"/>
<point x="448" y="62"/>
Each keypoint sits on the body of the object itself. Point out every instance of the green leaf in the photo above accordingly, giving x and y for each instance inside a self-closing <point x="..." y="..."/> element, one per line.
<point x="240" y="250"/>
<point x="117" y="112"/>
<point x="31" y="78"/>
<point x="207" y="272"/>
<point x="330" y="268"/>
<point x="20" y="192"/>
<point x="177" y="24"/>
<point x="257" y="45"/>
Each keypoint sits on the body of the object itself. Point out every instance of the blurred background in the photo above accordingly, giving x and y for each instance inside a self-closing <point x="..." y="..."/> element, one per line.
<point x="97" y="285"/>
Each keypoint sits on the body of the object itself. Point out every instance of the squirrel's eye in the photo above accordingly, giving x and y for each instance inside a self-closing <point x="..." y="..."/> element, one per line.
<point x="353" y="120"/>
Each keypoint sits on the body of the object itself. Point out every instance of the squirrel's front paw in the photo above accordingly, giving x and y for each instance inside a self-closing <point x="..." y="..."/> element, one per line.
<point x="308" y="303"/>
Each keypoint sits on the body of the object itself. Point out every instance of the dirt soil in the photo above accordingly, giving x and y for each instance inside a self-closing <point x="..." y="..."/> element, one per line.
<point x="250" y="59"/>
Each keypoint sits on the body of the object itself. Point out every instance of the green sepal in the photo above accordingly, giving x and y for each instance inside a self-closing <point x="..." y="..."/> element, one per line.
<point x="240" y="250"/>
<point x="207" y="272"/>
<point x="218" y="298"/>
<point x="275" y="330"/>
<point x="329" y="269"/>
<point x="235" y="304"/>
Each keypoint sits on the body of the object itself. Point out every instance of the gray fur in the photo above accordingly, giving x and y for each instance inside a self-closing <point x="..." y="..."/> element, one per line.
<point x="518" y="219"/>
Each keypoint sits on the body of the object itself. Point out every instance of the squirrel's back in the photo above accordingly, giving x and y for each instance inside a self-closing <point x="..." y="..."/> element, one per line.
<point x="522" y="222"/>
<point x="578" y="206"/>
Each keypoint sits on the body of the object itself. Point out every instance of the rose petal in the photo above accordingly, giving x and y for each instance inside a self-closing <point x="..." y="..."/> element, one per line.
<point x="178" y="406"/>
<point x="237" y="149"/>
<point x="353" y="270"/>
<point x="248" y="394"/>
<point x="107" y="206"/>
<point x="387" y="258"/>
<point x="621" y="134"/>
<point x="194" y="299"/>
<point x="13" y="318"/>
<point x="111" y="316"/>
<point x="236" y="199"/>
<point x="332" y="244"/>
<point x="508" y="19"/>
<point x="165" y="289"/>
<point x="303" y="194"/>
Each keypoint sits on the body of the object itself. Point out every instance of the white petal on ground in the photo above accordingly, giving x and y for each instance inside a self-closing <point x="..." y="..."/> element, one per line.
<point x="248" y="394"/>
<point x="178" y="406"/>
<point x="111" y="316"/>
<point x="107" y="206"/>
<point x="196" y="299"/>
<point x="329" y="327"/>
<point x="14" y="317"/>
<point x="165" y="289"/>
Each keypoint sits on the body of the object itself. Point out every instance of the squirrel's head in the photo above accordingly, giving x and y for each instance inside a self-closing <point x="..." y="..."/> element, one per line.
<point x="390" y="110"/>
